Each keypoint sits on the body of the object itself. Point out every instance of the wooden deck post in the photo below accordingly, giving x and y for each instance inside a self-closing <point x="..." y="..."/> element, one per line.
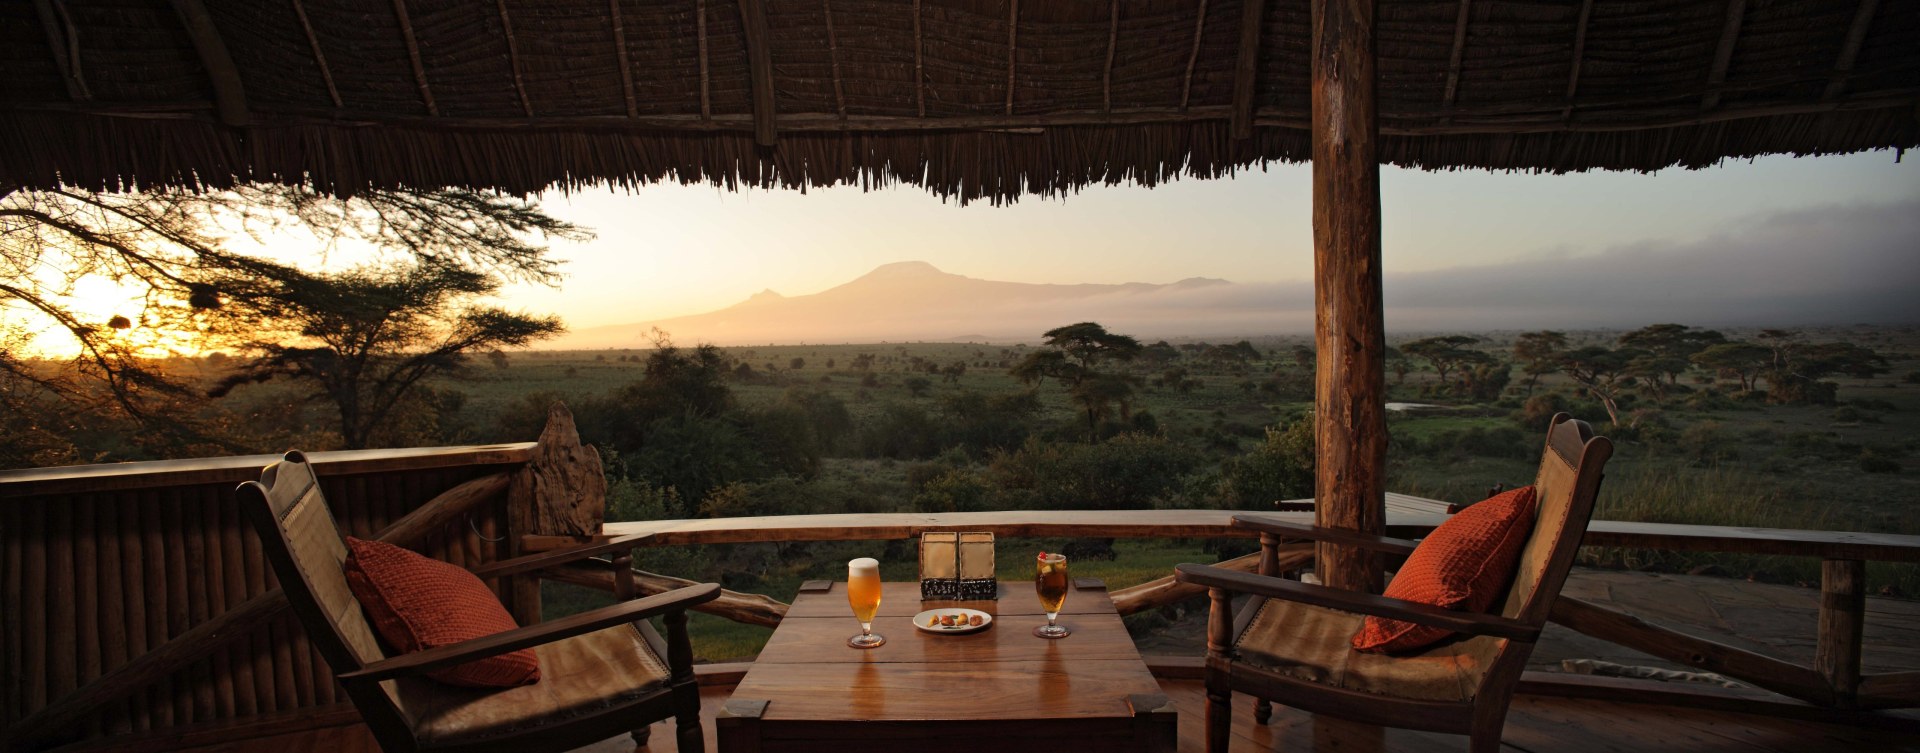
<point x="1349" y="331"/>
<point x="1843" y="604"/>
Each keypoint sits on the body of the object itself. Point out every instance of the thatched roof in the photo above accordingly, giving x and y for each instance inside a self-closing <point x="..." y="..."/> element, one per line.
<point x="971" y="98"/>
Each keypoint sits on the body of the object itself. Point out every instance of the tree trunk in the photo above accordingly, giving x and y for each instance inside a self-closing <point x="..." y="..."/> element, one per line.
<point x="1349" y="327"/>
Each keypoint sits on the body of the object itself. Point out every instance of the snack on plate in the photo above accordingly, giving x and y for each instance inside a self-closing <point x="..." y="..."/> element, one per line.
<point x="976" y="620"/>
<point x="933" y="620"/>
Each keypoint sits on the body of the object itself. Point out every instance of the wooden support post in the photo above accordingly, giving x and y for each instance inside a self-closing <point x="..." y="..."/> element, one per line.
<point x="1579" y="55"/>
<point x="1246" y="68"/>
<point x="229" y="96"/>
<point x="620" y="57"/>
<point x="1013" y="48"/>
<point x="1349" y="330"/>
<point x="1459" y="53"/>
<point x="63" y="40"/>
<point x="753" y="25"/>
<point x="1219" y="719"/>
<point x="1843" y="605"/>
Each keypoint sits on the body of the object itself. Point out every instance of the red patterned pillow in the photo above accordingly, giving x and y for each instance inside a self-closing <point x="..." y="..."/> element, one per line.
<point x="418" y="602"/>
<point x="1466" y="564"/>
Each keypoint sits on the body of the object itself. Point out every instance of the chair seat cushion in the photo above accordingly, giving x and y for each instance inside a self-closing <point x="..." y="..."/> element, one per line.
<point x="1465" y="564"/>
<point x="1312" y="643"/>
<point x="587" y="673"/>
<point x="418" y="603"/>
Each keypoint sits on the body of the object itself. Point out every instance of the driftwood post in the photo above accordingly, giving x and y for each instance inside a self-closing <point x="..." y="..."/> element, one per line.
<point x="1349" y="332"/>
<point x="562" y="491"/>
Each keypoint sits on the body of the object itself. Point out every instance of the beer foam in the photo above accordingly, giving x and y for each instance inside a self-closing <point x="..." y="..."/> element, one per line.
<point x="863" y="564"/>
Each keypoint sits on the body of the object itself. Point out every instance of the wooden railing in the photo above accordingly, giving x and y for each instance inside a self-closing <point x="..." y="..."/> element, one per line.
<point x="140" y="614"/>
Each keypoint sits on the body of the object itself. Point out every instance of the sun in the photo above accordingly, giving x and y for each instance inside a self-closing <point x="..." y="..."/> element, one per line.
<point x="117" y="309"/>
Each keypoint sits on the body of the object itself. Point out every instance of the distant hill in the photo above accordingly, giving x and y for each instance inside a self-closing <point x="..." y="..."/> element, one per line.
<point x="913" y="300"/>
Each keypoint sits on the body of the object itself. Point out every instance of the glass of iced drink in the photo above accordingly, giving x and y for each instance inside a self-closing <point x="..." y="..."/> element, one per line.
<point x="1050" y="581"/>
<point x="863" y="594"/>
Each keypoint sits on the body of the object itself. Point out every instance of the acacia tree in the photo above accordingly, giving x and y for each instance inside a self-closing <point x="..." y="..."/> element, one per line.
<point x="1071" y="356"/>
<point x="182" y="260"/>
<point x="1447" y="353"/>
<point x="366" y="338"/>
<point x="1538" y="354"/>
<point x="1603" y="372"/>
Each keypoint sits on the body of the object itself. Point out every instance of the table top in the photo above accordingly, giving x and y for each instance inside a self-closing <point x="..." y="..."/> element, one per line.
<point x="807" y="671"/>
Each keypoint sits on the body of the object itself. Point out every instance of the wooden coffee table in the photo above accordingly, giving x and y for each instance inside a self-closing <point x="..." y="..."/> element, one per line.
<point x="995" y="691"/>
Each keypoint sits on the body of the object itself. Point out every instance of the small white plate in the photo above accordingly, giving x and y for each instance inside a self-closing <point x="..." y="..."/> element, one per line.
<point x="920" y="621"/>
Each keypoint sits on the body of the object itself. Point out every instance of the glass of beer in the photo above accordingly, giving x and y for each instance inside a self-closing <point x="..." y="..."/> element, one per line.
<point x="1050" y="581"/>
<point x="863" y="594"/>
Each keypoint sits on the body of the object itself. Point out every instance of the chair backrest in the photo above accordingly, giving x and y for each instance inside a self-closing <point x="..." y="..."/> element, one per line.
<point x="1565" y="488"/>
<point x="308" y="555"/>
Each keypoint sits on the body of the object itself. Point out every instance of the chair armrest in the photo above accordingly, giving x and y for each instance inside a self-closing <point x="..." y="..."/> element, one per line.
<point x="625" y="612"/>
<point x="545" y="560"/>
<point x="1471" y="623"/>
<point x="1285" y="529"/>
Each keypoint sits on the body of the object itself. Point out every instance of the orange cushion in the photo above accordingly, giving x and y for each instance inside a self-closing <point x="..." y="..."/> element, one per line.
<point x="1465" y="564"/>
<point x="418" y="602"/>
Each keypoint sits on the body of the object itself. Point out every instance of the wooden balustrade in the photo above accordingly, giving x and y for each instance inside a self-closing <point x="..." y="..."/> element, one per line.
<point x="137" y="595"/>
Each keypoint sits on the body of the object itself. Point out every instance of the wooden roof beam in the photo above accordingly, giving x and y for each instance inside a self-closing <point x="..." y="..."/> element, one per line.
<point x="1247" y="67"/>
<point x="1459" y="52"/>
<point x="320" y="58"/>
<point x="706" y="82"/>
<point x="1013" y="47"/>
<point x="919" y="75"/>
<point x="1193" y="57"/>
<point x="513" y="58"/>
<point x="229" y="94"/>
<point x="620" y="55"/>
<point x="753" y="21"/>
<point x="833" y="58"/>
<point x="1849" y="50"/>
<point x="63" y="40"/>
<point x="1579" y="55"/>
<point x="1723" y="53"/>
<point x="1113" y="40"/>
<point x="413" y="54"/>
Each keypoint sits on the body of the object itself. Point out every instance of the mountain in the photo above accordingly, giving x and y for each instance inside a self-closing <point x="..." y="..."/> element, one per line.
<point x="913" y="300"/>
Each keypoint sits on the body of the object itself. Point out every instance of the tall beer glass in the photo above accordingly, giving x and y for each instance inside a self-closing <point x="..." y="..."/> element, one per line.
<point x="863" y="594"/>
<point x="1050" y="581"/>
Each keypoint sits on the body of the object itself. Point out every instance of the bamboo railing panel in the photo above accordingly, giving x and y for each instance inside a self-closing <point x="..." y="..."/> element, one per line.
<point x="103" y="566"/>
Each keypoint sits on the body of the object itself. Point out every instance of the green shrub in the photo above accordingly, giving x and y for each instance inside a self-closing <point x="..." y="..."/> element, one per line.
<point x="1279" y="468"/>
<point x="1127" y="472"/>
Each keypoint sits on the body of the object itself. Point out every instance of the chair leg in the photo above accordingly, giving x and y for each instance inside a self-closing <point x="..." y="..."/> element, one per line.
<point x="640" y="737"/>
<point x="688" y="735"/>
<point x="1484" y="736"/>
<point x="1262" y="711"/>
<point x="1219" y="720"/>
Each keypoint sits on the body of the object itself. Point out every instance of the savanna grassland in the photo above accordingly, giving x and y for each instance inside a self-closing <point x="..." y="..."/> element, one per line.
<point x="898" y="427"/>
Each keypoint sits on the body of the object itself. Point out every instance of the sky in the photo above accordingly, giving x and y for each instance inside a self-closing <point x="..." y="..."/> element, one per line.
<point x="668" y="250"/>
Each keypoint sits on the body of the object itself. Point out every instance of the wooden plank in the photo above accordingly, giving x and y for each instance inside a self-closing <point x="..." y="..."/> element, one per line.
<point x="1701" y="696"/>
<point x="513" y="58"/>
<point x="233" y="470"/>
<point x="826" y="691"/>
<point x="753" y="25"/>
<point x="63" y="41"/>
<point x="229" y="93"/>
<point x="1843" y="605"/>
<point x="1890" y="691"/>
<point x="1630" y="631"/>
<point x="1246" y="68"/>
<point x="1163" y="591"/>
<point x="1723" y="53"/>
<point x="1349" y="319"/>
<point x="899" y="599"/>
<point x="1579" y="56"/>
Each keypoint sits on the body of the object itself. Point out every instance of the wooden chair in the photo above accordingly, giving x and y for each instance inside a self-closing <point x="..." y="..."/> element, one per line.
<point x="1290" y="644"/>
<point x="601" y="671"/>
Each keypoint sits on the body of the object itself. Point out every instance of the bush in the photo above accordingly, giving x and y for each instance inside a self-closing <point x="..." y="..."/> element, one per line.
<point x="900" y="431"/>
<point x="1127" y="472"/>
<point x="695" y="456"/>
<point x="955" y="490"/>
<point x="1279" y="468"/>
